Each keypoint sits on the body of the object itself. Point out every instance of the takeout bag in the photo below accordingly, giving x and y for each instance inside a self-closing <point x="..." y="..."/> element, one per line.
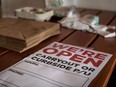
<point x="25" y="34"/>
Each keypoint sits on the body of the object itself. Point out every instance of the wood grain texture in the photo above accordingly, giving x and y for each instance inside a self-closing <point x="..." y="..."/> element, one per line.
<point x="3" y="51"/>
<point x="15" y="56"/>
<point x="85" y="39"/>
<point x="64" y="32"/>
<point x="108" y="46"/>
<point x="79" y="38"/>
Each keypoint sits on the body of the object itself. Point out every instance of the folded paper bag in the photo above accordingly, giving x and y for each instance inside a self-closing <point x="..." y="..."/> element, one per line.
<point x="26" y="34"/>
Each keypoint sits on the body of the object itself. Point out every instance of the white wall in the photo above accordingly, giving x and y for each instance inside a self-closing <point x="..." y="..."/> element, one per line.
<point x="96" y="4"/>
<point x="68" y="2"/>
<point x="8" y="6"/>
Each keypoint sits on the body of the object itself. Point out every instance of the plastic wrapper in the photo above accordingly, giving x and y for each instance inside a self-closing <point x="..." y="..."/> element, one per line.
<point x="89" y="23"/>
<point x="53" y="3"/>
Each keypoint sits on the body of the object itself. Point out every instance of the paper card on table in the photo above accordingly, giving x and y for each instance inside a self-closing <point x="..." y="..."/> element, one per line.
<point x="56" y="65"/>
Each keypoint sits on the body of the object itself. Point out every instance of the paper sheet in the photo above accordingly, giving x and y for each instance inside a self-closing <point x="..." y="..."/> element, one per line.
<point x="57" y="65"/>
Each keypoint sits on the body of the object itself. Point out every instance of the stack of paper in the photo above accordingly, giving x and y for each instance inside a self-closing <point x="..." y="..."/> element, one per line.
<point x="26" y="34"/>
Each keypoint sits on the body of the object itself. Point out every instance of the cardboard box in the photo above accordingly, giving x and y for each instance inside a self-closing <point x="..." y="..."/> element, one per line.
<point x="37" y="14"/>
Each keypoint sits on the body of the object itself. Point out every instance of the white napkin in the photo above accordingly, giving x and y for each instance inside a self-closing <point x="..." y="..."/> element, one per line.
<point x="88" y="23"/>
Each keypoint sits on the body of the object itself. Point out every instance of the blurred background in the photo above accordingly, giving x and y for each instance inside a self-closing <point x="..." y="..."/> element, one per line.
<point x="8" y="6"/>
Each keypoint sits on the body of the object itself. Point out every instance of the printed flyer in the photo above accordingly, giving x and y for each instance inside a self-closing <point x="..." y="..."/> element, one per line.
<point x="56" y="65"/>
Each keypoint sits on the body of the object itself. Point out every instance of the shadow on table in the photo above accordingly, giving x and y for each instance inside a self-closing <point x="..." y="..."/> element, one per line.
<point x="112" y="81"/>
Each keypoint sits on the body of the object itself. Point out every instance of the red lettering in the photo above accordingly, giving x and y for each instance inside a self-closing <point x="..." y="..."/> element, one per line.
<point x="101" y="56"/>
<point x="50" y="50"/>
<point x="88" y="53"/>
<point x="77" y="58"/>
<point x="60" y="46"/>
<point x="72" y="49"/>
<point x="64" y="53"/>
<point x="94" y="63"/>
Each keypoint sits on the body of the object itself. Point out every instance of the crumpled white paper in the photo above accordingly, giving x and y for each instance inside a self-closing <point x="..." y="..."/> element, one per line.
<point x="88" y="23"/>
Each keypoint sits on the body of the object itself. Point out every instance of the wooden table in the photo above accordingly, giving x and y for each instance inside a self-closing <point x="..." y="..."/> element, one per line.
<point x="78" y="38"/>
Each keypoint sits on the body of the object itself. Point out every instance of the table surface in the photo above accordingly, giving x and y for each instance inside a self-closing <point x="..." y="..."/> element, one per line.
<point x="78" y="38"/>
